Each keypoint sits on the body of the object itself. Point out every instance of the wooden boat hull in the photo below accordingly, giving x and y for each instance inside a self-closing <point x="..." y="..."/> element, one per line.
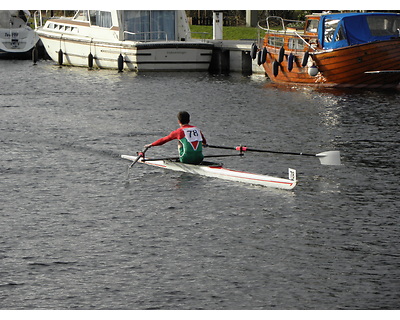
<point x="343" y="67"/>
<point x="218" y="171"/>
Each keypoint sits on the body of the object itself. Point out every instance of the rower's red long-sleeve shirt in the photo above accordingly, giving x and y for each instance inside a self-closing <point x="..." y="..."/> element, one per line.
<point x="176" y="134"/>
<point x="191" y="142"/>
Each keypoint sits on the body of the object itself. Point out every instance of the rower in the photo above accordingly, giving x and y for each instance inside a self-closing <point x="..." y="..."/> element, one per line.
<point x="190" y="140"/>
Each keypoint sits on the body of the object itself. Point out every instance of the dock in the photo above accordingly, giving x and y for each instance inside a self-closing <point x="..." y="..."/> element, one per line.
<point x="233" y="56"/>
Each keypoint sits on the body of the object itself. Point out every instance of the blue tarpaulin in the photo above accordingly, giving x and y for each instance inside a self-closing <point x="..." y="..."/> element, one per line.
<point x="346" y="29"/>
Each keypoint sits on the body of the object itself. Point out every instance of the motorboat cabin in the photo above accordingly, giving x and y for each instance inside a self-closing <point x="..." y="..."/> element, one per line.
<point x="140" y="40"/>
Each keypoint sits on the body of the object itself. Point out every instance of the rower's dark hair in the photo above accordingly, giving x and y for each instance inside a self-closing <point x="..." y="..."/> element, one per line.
<point x="184" y="117"/>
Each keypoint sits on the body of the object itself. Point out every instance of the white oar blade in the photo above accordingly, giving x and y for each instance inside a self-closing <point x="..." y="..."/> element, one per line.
<point x="329" y="158"/>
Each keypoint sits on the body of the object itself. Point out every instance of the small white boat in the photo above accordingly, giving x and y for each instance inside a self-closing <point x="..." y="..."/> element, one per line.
<point x="216" y="170"/>
<point x="138" y="40"/>
<point x="17" y="38"/>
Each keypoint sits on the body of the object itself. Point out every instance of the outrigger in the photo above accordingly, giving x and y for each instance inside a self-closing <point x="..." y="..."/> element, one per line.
<point x="216" y="170"/>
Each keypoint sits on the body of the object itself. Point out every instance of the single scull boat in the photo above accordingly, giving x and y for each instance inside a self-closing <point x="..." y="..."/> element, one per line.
<point x="218" y="171"/>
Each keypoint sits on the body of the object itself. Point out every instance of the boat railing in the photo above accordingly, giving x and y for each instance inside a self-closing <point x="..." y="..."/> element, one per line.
<point x="305" y="41"/>
<point x="285" y="29"/>
<point x="280" y="19"/>
<point x="203" y="35"/>
<point x="147" y="36"/>
<point x="270" y="26"/>
<point x="38" y="19"/>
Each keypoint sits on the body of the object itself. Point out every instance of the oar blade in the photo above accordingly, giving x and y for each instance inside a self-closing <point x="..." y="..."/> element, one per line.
<point x="329" y="158"/>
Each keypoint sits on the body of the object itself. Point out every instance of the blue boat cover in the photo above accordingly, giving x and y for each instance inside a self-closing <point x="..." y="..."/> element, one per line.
<point x="347" y="29"/>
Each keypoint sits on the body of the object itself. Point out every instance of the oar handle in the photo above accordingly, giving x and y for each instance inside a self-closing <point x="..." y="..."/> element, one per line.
<point x="238" y="148"/>
<point x="140" y="155"/>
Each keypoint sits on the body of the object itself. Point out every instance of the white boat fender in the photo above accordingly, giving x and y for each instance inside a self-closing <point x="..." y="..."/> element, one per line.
<point x="275" y="68"/>
<point x="120" y="63"/>
<point x="305" y="59"/>
<point x="90" y="61"/>
<point x="281" y="54"/>
<point x="60" y="57"/>
<point x="290" y="61"/>
<point x="313" y="71"/>
<point x="264" y="55"/>
<point x="253" y="52"/>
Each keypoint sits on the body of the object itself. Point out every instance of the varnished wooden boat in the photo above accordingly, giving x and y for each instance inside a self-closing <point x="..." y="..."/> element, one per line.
<point x="357" y="50"/>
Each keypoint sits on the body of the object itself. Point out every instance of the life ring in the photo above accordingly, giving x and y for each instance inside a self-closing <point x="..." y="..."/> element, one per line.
<point x="290" y="61"/>
<point x="305" y="59"/>
<point x="281" y="54"/>
<point x="264" y="55"/>
<point x="275" y="68"/>
<point x="253" y="52"/>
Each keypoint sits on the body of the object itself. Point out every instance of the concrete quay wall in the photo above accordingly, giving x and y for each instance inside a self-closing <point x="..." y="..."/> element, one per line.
<point x="233" y="56"/>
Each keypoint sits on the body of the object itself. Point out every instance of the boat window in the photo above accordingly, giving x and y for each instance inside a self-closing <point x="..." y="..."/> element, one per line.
<point x="312" y="26"/>
<point x="330" y="27"/>
<point x="381" y="25"/>
<point x="296" y="43"/>
<point x="148" y="25"/>
<point x="81" y="15"/>
<point x="100" y="18"/>
<point x="275" y="41"/>
<point x="340" y="35"/>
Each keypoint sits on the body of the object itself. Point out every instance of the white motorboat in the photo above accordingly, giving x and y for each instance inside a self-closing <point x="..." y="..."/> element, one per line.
<point x="17" y="38"/>
<point x="139" y="40"/>
<point x="216" y="170"/>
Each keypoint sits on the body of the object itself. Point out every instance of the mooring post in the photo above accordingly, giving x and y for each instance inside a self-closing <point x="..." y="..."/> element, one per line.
<point x="218" y="23"/>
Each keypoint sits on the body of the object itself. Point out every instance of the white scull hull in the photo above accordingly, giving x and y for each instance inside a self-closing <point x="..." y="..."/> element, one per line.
<point x="218" y="171"/>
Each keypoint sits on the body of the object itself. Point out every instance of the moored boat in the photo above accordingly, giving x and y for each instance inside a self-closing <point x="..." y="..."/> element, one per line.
<point x="216" y="170"/>
<point x="17" y="38"/>
<point x="356" y="50"/>
<point x="139" y="40"/>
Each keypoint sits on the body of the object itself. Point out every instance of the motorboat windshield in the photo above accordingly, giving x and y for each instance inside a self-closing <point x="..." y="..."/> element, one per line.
<point x="149" y="25"/>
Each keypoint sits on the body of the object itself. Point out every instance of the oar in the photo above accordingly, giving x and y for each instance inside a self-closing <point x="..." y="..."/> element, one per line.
<point x="140" y="155"/>
<point x="326" y="158"/>
<point x="207" y="156"/>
